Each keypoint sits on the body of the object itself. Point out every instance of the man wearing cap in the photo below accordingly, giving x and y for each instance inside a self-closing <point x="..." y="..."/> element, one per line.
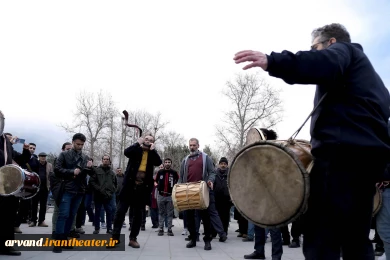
<point x="223" y="203"/>
<point x="44" y="170"/>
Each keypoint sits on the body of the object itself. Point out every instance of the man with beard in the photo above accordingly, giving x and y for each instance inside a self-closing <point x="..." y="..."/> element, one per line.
<point x="137" y="186"/>
<point x="198" y="166"/>
<point x="166" y="178"/>
<point x="349" y="138"/>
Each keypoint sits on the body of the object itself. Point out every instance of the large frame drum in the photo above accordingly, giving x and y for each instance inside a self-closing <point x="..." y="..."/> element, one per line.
<point x="269" y="181"/>
<point x="14" y="181"/>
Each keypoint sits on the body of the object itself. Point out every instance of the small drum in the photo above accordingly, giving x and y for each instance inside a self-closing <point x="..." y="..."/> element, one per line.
<point x="254" y="135"/>
<point x="377" y="201"/>
<point x="14" y="181"/>
<point x="192" y="195"/>
<point x="269" y="181"/>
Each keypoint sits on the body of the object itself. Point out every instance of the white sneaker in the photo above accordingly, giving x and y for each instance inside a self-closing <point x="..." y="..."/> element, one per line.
<point x="185" y="232"/>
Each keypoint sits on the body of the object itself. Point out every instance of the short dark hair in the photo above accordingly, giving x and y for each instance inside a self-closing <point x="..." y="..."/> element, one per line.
<point x="109" y="158"/>
<point x="79" y="136"/>
<point x="168" y="159"/>
<point x="8" y="134"/>
<point x="271" y="134"/>
<point x="33" y="144"/>
<point x="334" y="30"/>
<point x="65" y="144"/>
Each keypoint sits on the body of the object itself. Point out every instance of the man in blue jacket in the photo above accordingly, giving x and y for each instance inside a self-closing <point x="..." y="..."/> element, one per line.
<point x="349" y="138"/>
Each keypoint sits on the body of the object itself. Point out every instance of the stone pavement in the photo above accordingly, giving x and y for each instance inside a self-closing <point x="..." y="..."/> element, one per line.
<point x="155" y="247"/>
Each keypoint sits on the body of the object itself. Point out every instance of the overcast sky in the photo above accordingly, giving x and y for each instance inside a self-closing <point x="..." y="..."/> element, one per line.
<point x="169" y="56"/>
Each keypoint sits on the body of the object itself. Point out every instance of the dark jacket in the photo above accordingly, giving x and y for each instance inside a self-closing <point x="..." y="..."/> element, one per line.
<point x="165" y="180"/>
<point x="134" y="153"/>
<point x="103" y="183"/>
<point x="66" y="163"/>
<point x="354" y="114"/>
<point x="221" y="189"/>
<point x="119" y="180"/>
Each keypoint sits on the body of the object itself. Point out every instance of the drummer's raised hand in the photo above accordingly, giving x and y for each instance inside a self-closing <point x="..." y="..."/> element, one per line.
<point x="152" y="146"/>
<point x="210" y="184"/>
<point x="257" y="58"/>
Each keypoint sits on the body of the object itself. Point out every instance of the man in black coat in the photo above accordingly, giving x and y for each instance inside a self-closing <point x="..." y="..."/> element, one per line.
<point x="350" y="142"/>
<point x="137" y="186"/>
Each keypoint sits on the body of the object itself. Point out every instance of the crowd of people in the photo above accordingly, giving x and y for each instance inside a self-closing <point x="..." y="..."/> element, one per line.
<point x="350" y="142"/>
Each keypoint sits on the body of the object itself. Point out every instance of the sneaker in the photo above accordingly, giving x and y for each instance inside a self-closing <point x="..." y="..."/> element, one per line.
<point x="185" y="232"/>
<point x="170" y="233"/>
<point x="80" y="230"/>
<point x="96" y="231"/>
<point x="103" y="224"/>
<point x="160" y="232"/>
<point x="43" y="224"/>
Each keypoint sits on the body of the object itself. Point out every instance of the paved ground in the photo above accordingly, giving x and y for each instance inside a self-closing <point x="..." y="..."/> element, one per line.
<point x="155" y="247"/>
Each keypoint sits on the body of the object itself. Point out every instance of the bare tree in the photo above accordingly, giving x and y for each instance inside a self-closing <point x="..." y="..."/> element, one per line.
<point x="94" y="113"/>
<point x="174" y="147"/>
<point x="213" y="154"/>
<point x="254" y="102"/>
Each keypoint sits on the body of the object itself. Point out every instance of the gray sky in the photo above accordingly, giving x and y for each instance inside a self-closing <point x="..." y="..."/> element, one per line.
<point x="169" y="56"/>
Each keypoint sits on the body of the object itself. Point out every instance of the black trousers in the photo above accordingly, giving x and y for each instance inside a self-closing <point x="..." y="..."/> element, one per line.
<point x="143" y="218"/>
<point x="205" y="217"/>
<point x="24" y="212"/>
<point x="120" y="215"/>
<point x="296" y="231"/>
<point x="81" y="212"/>
<point x="41" y="199"/>
<point x="242" y="223"/>
<point x="340" y="207"/>
<point x="10" y="207"/>
<point x="223" y="209"/>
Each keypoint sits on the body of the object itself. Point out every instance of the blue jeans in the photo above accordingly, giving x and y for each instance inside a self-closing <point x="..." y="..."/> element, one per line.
<point x="67" y="210"/>
<point x="251" y="230"/>
<point x="107" y="206"/>
<point x="276" y="237"/>
<point x="383" y="221"/>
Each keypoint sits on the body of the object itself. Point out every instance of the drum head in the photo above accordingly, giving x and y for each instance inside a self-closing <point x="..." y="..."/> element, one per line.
<point x="205" y="194"/>
<point x="11" y="179"/>
<point x="268" y="184"/>
<point x="253" y="136"/>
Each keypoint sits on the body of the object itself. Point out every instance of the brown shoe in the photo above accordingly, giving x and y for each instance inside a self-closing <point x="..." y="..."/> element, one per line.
<point x="43" y="224"/>
<point x="133" y="244"/>
<point x="17" y="230"/>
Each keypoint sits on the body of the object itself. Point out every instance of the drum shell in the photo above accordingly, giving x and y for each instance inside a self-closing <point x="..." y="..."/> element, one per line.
<point x="192" y="195"/>
<point x="18" y="182"/>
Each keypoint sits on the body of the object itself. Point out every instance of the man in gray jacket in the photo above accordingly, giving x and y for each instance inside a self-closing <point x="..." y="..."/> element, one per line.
<point x="198" y="166"/>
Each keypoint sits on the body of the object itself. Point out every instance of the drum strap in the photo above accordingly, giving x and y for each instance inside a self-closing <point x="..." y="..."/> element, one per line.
<point x="29" y="167"/>
<point x="5" y="150"/>
<point x="311" y="113"/>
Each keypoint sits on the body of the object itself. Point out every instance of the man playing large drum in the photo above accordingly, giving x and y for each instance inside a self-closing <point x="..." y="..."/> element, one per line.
<point x="198" y="166"/>
<point x="350" y="142"/>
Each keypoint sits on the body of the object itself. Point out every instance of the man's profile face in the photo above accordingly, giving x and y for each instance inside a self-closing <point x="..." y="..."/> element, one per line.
<point x="319" y="44"/>
<point x="78" y="145"/>
<point x="194" y="146"/>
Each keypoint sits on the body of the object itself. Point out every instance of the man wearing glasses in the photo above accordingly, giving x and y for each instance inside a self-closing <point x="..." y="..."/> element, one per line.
<point x="349" y="137"/>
